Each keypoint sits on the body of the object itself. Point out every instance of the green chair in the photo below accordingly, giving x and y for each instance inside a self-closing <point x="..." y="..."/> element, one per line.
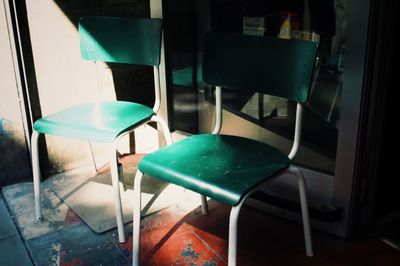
<point x="230" y="168"/>
<point x="117" y="40"/>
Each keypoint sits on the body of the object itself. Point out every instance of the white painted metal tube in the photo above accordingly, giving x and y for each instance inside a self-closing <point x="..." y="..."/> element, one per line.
<point x="297" y="132"/>
<point x="91" y="155"/>
<point x="204" y="205"/>
<point x="157" y="89"/>
<point x="233" y="228"/>
<point x="218" y="110"/>
<point x="121" y="177"/>
<point x="36" y="174"/>
<point x="165" y="129"/>
<point x="116" y="190"/>
<point x="137" y="206"/>
<point x="304" y="208"/>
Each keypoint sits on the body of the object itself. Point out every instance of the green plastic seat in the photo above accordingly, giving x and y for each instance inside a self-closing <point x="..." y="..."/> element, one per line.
<point x="221" y="167"/>
<point x="117" y="40"/>
<point x="97" y="122"/>
<point x="230" y="168"/>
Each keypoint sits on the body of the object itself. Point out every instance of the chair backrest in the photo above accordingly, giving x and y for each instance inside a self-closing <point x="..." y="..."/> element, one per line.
<point x="268" y="65"/>
<point x="121" y="40"/>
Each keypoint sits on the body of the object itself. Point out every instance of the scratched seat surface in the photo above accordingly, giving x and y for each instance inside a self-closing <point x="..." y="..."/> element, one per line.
<point x="222" y="167"/>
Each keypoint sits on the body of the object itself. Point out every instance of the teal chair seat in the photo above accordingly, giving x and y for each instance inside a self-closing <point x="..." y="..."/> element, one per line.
<point x="222" y="167"/>
<point x="97" y="122"/>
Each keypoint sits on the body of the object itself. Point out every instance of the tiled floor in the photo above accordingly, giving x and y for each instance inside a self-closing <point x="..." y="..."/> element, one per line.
<point x="12" y="249"/>
<point x="174" y="236"/>
<point x="178" y="237"/>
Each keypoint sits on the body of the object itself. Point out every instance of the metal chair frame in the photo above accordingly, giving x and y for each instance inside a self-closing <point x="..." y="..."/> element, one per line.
<point x="234" y="214"/>
<point x="218" y="77"/>
<point x="116" y="173"/>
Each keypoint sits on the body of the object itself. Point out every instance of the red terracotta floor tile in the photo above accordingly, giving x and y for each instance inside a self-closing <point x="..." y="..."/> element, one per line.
<point x="71" y="218"/>
<point x="177" y="237"/>
<point x="182" y="248"/>
<point x="215" y="243"/>
<point x="158" y="227"/>
<point x="263" y="239"/>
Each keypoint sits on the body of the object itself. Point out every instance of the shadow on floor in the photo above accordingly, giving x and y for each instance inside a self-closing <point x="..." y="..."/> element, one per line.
<point x="181" y="235"/>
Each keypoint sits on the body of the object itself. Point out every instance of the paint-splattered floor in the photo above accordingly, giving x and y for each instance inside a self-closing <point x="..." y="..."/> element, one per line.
<point x="177" y="237"/>
<point x="182" y="236"/>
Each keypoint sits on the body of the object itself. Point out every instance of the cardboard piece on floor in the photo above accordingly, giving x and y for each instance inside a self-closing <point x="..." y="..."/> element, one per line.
<point x="93" y="201"/>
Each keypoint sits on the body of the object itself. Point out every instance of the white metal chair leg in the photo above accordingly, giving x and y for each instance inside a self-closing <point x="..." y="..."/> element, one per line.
<point x="165" y="129"/>
<point x="204" y="205"/>
<point x="117" y="195"/>
<point x="92" y="159"/>
<point x="233" y="228"/>
<point x="36" y="174"/>
<point x="121" y="177"/>
<point x="137" y="206"/>
<point x="304" y="209"/>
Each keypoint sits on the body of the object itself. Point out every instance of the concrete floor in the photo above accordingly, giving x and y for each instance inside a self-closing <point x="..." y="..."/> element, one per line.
<point x="177" y="235"/>
<point x="12" y="249"/>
